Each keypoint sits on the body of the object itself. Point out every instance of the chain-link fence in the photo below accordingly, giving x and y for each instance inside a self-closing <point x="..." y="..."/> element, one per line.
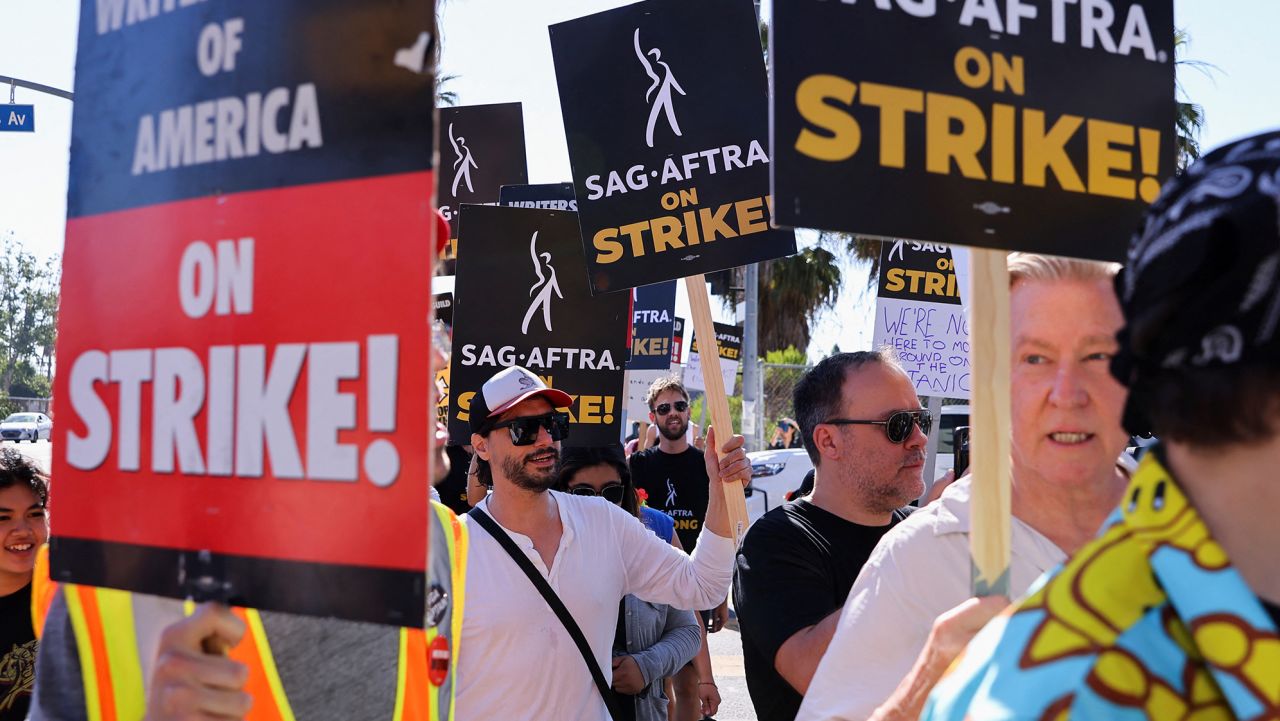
<point x="777" y="415"/>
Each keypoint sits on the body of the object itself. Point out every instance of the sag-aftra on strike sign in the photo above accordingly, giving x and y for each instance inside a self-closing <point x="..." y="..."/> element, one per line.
<point x="242" y="339"/>
<point x="666" y="115"/>
<point x="1038" y="125"/>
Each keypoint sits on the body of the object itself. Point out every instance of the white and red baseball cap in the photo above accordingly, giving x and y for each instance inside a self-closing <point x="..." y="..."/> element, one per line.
<point x="507" y="388"/>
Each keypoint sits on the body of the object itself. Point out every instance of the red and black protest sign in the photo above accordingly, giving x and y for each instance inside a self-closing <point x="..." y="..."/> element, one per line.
<point x="677" y="339"/>
<point x="521" y="298"/>
<point x="1043" y="127"/>
<point x="243" y="332"/>
<point x="666" y="115"/>
<point x="481" y="149"/>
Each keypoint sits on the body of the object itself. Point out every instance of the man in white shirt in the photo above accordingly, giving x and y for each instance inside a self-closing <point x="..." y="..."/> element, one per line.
<point x="518" y="661"/>
<point x="888" y="652"/>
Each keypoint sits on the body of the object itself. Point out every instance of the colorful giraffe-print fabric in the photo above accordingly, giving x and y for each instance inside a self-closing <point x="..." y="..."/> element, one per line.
<point x="1149" y="621"/>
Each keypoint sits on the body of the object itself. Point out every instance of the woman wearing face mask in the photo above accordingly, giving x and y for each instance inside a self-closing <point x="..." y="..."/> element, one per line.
<point x="653" y="640"/>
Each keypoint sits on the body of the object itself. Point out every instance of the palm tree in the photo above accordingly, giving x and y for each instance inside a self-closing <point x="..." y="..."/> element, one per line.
<point x="1190" y="116"/>
<point x="445" y="97"/>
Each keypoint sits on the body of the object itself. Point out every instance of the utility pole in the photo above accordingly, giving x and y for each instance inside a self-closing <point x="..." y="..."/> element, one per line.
<point x="750" y="363"/>
<point x="18" y="83"/>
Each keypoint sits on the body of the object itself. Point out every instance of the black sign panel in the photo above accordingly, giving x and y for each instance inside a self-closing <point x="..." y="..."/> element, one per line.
<point x="666" y="114"/>
<point x="302" y="113"/>
<point x="443" y="303"/>
<point x="481" y="149"/>
<point x="653" y="320"/>
<point x="551" y="196"/>
<point x="522" y="299"/>
<point x="728" y="340"/>
<point x="1042" y="127"/>
<point x="921" y="272"/>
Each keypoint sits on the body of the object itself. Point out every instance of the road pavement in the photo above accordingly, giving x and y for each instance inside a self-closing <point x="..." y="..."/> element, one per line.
<point x="726" y="664"/>
<point x="41" y="452"/>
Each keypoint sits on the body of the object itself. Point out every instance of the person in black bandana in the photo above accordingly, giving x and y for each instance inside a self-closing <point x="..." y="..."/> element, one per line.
<point x="1200" y="350"/>
<point x="1184" y="574"/>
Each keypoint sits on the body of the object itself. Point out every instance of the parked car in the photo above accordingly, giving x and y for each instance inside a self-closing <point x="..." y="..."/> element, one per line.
<point x="775" y="473"/>
<point x="26" y="427"/>
<point x="952" y="418"/>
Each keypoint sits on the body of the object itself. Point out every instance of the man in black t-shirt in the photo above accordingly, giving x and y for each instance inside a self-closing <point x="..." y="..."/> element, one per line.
<point x="672" y="474"/>
<point x="673" y="477"/>
<point x="865" y="432"/>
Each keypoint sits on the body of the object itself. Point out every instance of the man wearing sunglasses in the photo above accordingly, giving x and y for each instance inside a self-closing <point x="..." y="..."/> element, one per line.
<point x="520" y="661"/>
<point x="865" y="432"/>
<point x="672" y="474"/>
<point x="909" y="613"/>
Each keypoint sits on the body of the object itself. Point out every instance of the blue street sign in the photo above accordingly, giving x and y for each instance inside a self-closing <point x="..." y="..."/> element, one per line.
<point x="18" y="117"/>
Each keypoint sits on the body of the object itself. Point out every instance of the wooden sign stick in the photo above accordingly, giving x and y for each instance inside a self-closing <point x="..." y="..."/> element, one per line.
<point x="991" y="420"/>
<point x="717" y="401"/>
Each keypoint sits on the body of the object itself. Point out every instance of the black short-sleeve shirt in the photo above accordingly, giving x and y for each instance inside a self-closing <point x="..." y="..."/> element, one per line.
<point x="795" y="568"/>
<point x="676" y="484"/>
<point x="17" y="654"/>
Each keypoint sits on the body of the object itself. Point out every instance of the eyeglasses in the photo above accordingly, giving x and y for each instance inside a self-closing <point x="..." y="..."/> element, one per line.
<point x="663" y="409"/>
<point x="612" y="491"/>
<point x="897" y="426"/>
<point x="524" y="430"/>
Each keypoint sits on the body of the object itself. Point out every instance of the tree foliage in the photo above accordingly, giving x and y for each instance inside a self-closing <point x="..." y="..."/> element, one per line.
<point x="28" y="315"/>
<point x="1190" y="116"/>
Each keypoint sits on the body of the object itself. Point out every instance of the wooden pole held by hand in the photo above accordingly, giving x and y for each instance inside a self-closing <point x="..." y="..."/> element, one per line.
<point x="717" y="401"/>
<point x="991" y="423"/>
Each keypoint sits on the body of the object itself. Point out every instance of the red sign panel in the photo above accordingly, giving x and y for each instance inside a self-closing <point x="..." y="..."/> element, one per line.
<point x="243" y="376"/>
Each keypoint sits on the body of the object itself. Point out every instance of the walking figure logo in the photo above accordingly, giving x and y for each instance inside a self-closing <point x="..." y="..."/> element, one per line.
<point x="899" y="249"/>
<point x="463" y="165"/>
<point x="671" y="493"/>
<point x="545" y="286"/>
<point x="663" y="85"/>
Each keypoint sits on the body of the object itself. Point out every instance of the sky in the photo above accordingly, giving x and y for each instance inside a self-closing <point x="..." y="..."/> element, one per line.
<point x="500" y="52"/>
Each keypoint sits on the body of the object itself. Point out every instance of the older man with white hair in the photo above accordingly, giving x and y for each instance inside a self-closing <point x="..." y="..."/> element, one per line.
<point x="909" y="613"/>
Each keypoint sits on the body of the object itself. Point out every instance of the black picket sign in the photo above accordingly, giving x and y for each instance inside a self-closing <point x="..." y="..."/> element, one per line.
<point x="521" y="298"/>
<point x="1044" y="127"/>
<point x="666" y="115"/>
<point x="481" y="149"/>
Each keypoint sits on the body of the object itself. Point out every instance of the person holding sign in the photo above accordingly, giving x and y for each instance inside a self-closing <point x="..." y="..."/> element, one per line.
<point x="865" y="431"/>
<point x="1173" y="611"/>
<point x="107" y="653"/>
<point x="1066" y="444"/>
<point x="547" y="570"/>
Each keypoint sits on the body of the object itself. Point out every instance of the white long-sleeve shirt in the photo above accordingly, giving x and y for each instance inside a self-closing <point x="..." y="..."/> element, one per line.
<point x="918" y="570"/>
<point x="516" y="660"/>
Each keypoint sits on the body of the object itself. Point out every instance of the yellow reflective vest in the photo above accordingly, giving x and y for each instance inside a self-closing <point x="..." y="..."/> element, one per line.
<point x="111" y="668"/>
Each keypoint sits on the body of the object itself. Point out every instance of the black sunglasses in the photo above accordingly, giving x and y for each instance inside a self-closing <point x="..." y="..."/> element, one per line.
<point x="663" y="409"/>
<point x="612" y="491"/>
<point x="897" y="426"/>
<point x="524" y="430"/>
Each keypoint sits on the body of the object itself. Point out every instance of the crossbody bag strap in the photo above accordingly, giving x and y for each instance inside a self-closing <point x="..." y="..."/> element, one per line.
<point x="553" y="601"/>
